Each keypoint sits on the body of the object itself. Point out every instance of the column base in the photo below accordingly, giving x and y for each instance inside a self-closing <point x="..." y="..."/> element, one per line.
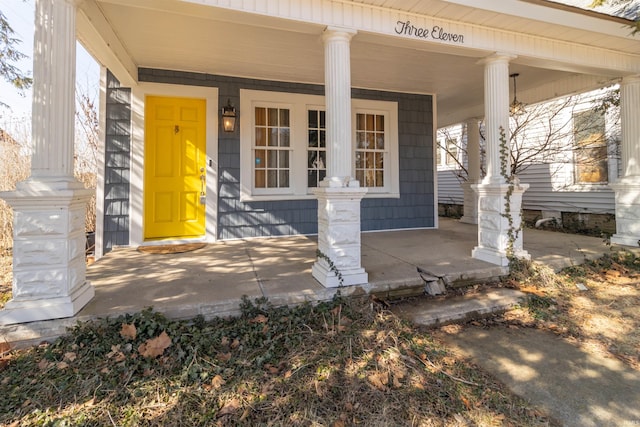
<point x="49" y="267"/>
<point x="494" y="240"/>
<point x="323" y="274"/>
<point x="22" y="311"/>
<point x="470" y="209"/>
<point x="339" y="237"/>
<point x="627" y="212"/>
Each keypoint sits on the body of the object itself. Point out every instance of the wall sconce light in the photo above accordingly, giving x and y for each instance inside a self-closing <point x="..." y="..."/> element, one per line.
<point x="228" y="117"/>
<point x="516" y="107"/>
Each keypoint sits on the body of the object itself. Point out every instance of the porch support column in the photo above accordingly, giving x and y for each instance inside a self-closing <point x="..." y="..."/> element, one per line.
<point x="49" y="207"/>
<point x="339" y="194"/>
<point x="473" y="173"/>
<point x="499" y="198"/>
<point x="627" y="188"/>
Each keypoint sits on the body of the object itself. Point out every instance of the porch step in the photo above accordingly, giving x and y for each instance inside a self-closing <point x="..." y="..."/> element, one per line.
<point x="433" y="312"/>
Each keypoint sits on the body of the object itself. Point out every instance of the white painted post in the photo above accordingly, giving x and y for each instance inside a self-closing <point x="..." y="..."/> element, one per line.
<point x="473" y="172"/>
<point x="49" y="208"/>
<point x="339" y="195"/>
<point x="627" y="188"/>
<point x="493" y="224"/>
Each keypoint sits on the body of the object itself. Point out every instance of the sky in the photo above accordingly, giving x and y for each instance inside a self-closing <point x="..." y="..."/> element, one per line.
<point x="21" y="16"/>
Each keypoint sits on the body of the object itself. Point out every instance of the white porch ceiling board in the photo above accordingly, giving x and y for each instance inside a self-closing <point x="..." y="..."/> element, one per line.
<point x="162" y="40"/>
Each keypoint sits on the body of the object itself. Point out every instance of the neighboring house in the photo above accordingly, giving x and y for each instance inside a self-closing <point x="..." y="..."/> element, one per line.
<point x="569" y="151"/>
<point x="227" y="119"/>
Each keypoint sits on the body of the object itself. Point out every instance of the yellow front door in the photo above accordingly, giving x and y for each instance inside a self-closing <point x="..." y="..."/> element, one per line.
<point x="174" y="167"/>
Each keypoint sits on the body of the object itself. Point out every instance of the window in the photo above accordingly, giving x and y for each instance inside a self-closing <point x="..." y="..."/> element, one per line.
<point x="590" y="147"/>
<point x="316" y="147"/>
<point x="271" y="147"/>
<point x="451" y="145"/>
<point x="283" y="152"/>
<point x="370" y="149"/>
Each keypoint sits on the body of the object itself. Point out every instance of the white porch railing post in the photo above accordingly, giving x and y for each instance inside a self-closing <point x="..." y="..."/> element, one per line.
<point x="339" y="195"/>
<point x="49" y="207"/>
<point x="496" y="234"/>
<point x="627" y="188"/>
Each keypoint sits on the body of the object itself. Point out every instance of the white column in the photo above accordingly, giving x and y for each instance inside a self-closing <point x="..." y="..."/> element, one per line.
<point x="499" y="220"/>
<point x="49" y="207"/>
<point x="627" y="188"/>
<point x="473" y="172"/>
<point x="337" y="76"/>
<point x="339" y="195"/>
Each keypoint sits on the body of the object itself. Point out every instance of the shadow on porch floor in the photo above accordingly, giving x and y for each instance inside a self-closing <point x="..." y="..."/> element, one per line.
<point x="211" y="281"/>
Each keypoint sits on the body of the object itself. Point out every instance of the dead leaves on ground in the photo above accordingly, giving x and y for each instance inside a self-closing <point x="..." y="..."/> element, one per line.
<point x="154" y="347"/>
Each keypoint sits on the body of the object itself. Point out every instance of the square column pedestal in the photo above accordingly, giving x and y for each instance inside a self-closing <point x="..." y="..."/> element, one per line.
<point x="470" y="207"/>
<point x="627" y="213"/>
<point x="339" y="236"/>
<point x="493" y="223"/>
<point x="49" y="267"/>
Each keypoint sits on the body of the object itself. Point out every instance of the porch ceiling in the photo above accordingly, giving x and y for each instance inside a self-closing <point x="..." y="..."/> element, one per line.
<point x="185" y="36"/>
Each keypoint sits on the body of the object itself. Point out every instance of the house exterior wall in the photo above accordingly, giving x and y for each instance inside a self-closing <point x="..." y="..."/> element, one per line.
<point x="117" y="164"/>
<point x="551" y="175"/>
<point x="238" y="219"/>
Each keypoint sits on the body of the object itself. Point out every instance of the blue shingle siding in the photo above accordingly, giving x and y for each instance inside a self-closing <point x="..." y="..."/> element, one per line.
<point x="236" y="219"/>
<point x="117" y="164"/>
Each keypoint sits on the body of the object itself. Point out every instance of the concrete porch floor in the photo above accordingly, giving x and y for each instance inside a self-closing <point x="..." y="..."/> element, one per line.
<point x="211" y="281"/>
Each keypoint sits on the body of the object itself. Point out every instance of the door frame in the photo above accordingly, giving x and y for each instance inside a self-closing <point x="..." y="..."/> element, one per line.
<point x="138" y="96"/>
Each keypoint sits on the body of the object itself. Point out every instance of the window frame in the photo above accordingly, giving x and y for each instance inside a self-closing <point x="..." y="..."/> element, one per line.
<point x="391" y="174"/>
<point x="577" y="148"/>
<point x="299" y="105"/>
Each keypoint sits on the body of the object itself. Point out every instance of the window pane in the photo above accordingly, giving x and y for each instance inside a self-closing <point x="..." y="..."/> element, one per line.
<point x="380" y="123"/>
<point x="370" y="122"/>
<point x="284" y="159"/>
<point x="261" y="116"/>
<point x="322" y="120"/>
<point x="380" y="141"/>
<point x="313" y="118"/>
<point x="360" y="122"/>
<point x="369" y="161"/>
<point x="284" y="178"/>
<point x="260" y="182"/>
<point x="273" y="137"/>
<point x="322" y="175"/>
<point x="261" y="137"/>
<point x="360" y="177"/>
<point x="312" y="178"/>
<point x="323" y="139"/>
<point x="272" y="159"/>
<point x="272" y="117"/>
<point x="379" y="179"/>
<point x="272" y="179"/>
<point x="284" y="118"/>
<point x="260" y="159"/>
<point x="371" y="141"/>
<point x="313" y="138"/>
<point x="323" y="160"/>
<point x="379" y="160"/>
<point x="359" y="160"/>
<point x="360" y="137"/>
<point x="284" y="137"/>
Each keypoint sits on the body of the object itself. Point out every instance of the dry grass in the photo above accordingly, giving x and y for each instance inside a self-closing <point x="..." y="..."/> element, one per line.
<point x="347" y="362"/>
<point x="603" y="318"/>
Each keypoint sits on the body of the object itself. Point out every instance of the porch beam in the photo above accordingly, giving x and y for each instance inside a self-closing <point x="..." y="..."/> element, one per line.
<point x="97" y="36"/>
<point x="339" y="194"/>
<point x="49" y="207"/>
<point x="627" y="188"/>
